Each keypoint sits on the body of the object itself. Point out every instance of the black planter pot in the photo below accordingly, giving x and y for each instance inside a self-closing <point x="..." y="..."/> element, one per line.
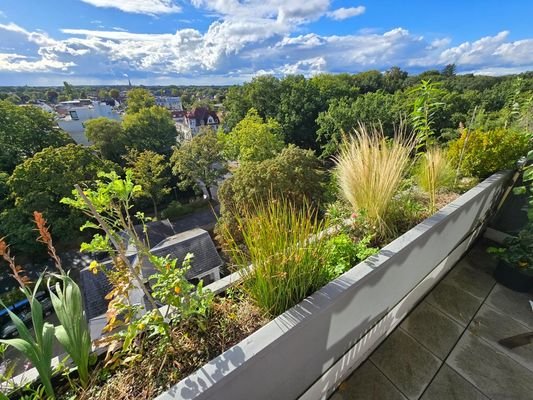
<point x="513" y="277"/>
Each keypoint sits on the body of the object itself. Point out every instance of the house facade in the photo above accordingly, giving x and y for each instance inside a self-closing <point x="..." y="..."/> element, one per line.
<point x="190" y="123"/>
<point x="72" y="116"/>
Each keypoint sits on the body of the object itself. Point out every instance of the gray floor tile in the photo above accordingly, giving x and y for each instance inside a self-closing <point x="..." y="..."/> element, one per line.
<point x="407" y="364"/>
<point x="367" y="383"/>
<point x="512" y="303"/>
<point x="454" y="302"/>
<point x="479" y="259"/>
<point x="492" y="372"/>
<point x="470" y="280"/>
<point x="433" y="329"/>
<point x="492" y="326"/>
<point x="449" y="385"/>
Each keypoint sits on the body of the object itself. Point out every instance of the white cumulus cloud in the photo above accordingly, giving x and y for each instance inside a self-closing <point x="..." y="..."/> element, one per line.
<point x="151" y="7"/>
<point x="346" y="12"/>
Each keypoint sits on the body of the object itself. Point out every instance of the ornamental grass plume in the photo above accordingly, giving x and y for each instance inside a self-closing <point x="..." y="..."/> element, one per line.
<point x="17" y="272"/>
<point x="370" y="169"/>
<point x="434" y="173"/>
<point x="46" y="238"/>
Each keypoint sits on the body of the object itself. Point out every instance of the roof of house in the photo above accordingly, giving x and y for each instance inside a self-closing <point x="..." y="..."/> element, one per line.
<point x="196" y="241"/>
<point x="202" y="114"/>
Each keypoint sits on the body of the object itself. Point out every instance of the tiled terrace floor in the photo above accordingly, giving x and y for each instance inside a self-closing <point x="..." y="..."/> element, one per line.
<point x="447" y="348"/>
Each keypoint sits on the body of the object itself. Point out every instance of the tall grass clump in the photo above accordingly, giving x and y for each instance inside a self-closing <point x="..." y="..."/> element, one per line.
<point x="370" y="170"/>
<point x="434" y="173"/>
<point x="288" y="255"/>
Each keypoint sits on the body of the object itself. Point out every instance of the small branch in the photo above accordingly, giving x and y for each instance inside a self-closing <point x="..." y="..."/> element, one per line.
<point x="117" y="246"/>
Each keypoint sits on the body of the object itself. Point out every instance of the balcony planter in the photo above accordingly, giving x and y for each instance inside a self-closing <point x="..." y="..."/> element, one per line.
<point x="308" y="350"/>
<point x="517" y="279"/>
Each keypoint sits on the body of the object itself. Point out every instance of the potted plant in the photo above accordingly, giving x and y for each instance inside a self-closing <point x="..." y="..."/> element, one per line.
<point x="515" y="269"/>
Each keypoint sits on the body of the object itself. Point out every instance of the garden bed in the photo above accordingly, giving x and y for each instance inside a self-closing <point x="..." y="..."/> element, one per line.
<point x="286" y="357"/>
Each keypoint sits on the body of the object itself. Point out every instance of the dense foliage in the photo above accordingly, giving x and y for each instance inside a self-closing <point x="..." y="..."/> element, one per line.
<point x="25" y="131"/>
<point x="480" y="153"/>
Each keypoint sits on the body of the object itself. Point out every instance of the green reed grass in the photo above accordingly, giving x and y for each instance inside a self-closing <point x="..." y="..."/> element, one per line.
<point x="288" y="256"/>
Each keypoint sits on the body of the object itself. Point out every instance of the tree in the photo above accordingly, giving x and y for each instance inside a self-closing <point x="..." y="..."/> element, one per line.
<point x="14" y="99"/>
<point x="103" y="94"/>
<point x="150" y="171"/>
<point x="199" y="160"/>
<point x="51" y="95"/>
<point x="337" y="86"/>
<point x="299" y="106"/>
<point x="114" y="93"/>
<point x="139" y="99"/>
<point x="369" y="81"/>
<point x="40" y="182"/>
<point x="68" y="90"/>
<point x="252" y="139"/>
<point x="394" y="79"/>
<point x="449" y="70"/>
<point x="294" y="175"/>
<point x="24" y="131"/>
<point x="108" y="137"/>
<point x="150" y="129"/>
<point x="370" y="109"/>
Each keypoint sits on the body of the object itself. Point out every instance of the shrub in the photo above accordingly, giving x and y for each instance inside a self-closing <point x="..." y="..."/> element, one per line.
<point x="434" y="173"/>
<point x="370" y="171"/>
<point x="293" y="175"/>
<point x="287" y="265"/>
<point x="480" y="153"/>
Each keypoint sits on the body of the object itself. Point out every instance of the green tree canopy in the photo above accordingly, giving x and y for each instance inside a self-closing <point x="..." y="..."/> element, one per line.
<point x="252" y="139"/>
<point x="24" y="131"/>
<point x="199" y="160"/>
<point x="294" y="174"/>
<point x="138" y="99"/>
<point x="335" y="86"/>
<point x="299" y="106"/>
<point x="150" y="129"/>
<point x="372" y="108"/>
<point x="114" y="93"/>
<point x="40" y="182"/>
<point x="108" y="137"/>
<point x="150" y="171"/>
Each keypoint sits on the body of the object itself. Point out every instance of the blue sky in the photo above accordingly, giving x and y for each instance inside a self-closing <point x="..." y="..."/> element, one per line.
<point x="44" y="42"/>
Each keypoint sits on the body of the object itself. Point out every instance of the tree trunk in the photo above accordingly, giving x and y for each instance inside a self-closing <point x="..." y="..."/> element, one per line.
<point x="209" y="192"/>
<point x="155" y="208"/>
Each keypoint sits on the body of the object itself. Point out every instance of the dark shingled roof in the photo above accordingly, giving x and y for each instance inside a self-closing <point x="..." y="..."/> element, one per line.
<point x="196" y="241"/>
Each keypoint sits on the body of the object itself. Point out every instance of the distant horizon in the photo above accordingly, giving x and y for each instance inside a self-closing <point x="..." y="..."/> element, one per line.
<point x="227" y="42"/>
<point x="228" y="85"/>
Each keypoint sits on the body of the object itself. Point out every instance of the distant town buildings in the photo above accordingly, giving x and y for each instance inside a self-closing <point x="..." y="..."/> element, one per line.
<point x="189" y="123"/>
<point x="73" y="114"/>
<point x="170" y="103"/>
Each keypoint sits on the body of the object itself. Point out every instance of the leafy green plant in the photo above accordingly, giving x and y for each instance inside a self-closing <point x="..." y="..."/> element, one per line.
<point x="517" y="251"/>
<point x="370" y="171"/>
<point x="434" y="173"/>
<point x="38" y="350"/>
<point x="486" y="152"/>
<point x="109" y="204"/>
<point x="343" y="253"/>
<point x="527" y="187"/>
<point x="171" y="287"/>
<point x="73" y="333"/>
<point x="281" y="241"/>
<point x="425" y="107"/>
